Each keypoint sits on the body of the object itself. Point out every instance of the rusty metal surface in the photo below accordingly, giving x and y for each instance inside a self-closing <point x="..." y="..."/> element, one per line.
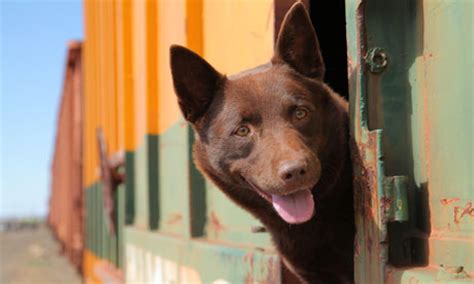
<point x="370" y="242"/>
<point x="410" y="121"/>
<point x="65" y="216"/>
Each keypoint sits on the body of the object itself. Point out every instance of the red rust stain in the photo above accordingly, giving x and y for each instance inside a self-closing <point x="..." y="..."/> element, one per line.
<point x="248" y="258"/>
<point x="273" y="272"/>
<point x="174" y="219"/>
<point x="356" y="248"/>
<point x="249" y="278"/>
<point x="446" y="201"/>
<point x="386" y="204"/>
<point x="365" y="193"/>
<point x="460" y="213"/>
<point x="369" y="243"/>
<point x="214" y="223"/>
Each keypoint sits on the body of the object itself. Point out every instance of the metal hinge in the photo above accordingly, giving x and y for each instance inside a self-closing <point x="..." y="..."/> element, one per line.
<point x="395" y="200"/>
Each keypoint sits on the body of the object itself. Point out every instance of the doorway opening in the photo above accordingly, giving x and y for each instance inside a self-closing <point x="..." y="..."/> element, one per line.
<point x="329" y="21"/>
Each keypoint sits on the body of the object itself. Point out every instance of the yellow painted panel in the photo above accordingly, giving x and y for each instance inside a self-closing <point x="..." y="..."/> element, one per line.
<point x="172" y="23"/>
<point x="88" y="117"/>
<point x="87" y="89"/>
<point x="128" y="76"/>
<point x="99" y="43"/>
<point x="152" y="45"/>
<point x="115" y="147"/>
<point x="90" y="262"/>
<point x="120" y="71"/>
<point x="128" y="86"/>
<point x="94" y="96"/>
<point x="97" y="270"/>
<point x="90" y="101"/>
<point x="125" y="74"/>
<point x="104" y="110"/>
<point x="194" y="25"/>
<point x="238" y="34"/>
<point x="110" y="80"/>
<point x="139" y="62"/>
<point x="101" y="96"/>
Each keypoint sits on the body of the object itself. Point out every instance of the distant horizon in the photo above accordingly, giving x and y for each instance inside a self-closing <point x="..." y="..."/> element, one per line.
<point x="34" y="36"/>
<point x="8" y="218"/>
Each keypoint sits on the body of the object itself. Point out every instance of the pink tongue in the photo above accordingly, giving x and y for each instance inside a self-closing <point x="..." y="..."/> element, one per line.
<point x="295" y="208"/>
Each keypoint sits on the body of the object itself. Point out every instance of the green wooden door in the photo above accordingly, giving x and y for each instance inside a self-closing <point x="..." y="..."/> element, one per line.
<point x="410" y="74"/>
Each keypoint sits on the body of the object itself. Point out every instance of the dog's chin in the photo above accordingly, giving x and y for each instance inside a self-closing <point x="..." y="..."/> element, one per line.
<point x="294" y="208"/>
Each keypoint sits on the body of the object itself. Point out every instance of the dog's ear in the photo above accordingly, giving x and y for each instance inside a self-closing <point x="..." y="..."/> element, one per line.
<point x="297" y="44"/>
<point x="195" y="82"/>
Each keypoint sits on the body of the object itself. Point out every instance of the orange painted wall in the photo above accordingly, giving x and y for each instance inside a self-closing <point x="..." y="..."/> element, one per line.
<point x="238" y="35"/>
<point x="108" y="81"/>
<point x="127" y="83"/>
<point x="172" y="22"/>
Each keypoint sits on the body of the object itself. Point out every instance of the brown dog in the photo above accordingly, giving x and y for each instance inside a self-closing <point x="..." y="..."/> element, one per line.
<point x="274" y="139"/>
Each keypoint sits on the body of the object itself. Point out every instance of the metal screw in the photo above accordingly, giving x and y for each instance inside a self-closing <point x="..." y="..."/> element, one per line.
<point x="376" y="59"/>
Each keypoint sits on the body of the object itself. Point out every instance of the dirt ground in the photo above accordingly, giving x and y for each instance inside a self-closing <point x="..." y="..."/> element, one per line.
<point x="32" y="256"/>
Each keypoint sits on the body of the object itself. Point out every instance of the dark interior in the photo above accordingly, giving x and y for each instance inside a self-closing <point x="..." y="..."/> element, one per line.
<point x="329" y="21"/>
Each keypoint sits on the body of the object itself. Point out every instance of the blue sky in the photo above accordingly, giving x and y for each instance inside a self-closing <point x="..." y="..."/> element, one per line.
<point x="33" y="40"/>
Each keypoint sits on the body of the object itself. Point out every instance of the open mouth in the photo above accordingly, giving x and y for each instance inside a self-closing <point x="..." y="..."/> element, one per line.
<point x="294" y="208"/>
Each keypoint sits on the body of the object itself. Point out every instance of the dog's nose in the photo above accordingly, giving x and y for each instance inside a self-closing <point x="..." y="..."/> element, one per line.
<point x="292" y="170"/>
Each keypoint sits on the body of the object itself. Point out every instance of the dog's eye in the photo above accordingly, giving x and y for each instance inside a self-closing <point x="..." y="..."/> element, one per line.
<point x="301" y="113"/>
<point x="242" y="131"/>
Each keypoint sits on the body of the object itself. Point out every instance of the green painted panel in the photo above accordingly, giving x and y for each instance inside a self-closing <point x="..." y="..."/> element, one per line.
<point x="392" y="25"/>
<point x="442" y="79"/>
<point x="423" y="103"/>
<point x="146" y="195"/>
<point x="183" y="190"/>
<point x="174" y="180"/>
<point x="98" y="236"/>
<point x="432" y="274"/>
<point x="370" y="240"/>
<point x="121" y="222"/>
<point x="129" y="187"/>
<point x="87" y="217"/>
<point x="96" y="231"/>
<point x="112" y="238"/>
<point x="141" y="187"/>
<point x="228" y="222"/>
<point x="100" y="221"/>
<point x="197" y="192"/>
<point x="395" y="26"/>
<point x="164" y="259"/>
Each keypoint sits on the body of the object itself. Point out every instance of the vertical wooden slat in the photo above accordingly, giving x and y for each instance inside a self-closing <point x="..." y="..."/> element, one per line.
<point x="171" y="173"/>
<point x="196" y="189"/>
<point x="152" y="112"/>
<point x="139" y="61"/>
<point x="128" y="83"/>
<point x="194" y="25"/>
<point x="152" y="45"/>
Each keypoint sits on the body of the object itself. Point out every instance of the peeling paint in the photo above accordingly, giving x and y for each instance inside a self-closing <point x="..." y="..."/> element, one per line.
<point x="447" y="201"/>
<point x="215" y="224"/>
<point x="461" y="212"/>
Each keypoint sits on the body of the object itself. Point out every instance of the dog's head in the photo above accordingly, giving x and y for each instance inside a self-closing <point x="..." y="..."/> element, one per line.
<point x="262" y="132"/>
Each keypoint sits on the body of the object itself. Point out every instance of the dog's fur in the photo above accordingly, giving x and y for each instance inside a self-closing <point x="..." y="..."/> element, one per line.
<point x="280" y="150"/>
